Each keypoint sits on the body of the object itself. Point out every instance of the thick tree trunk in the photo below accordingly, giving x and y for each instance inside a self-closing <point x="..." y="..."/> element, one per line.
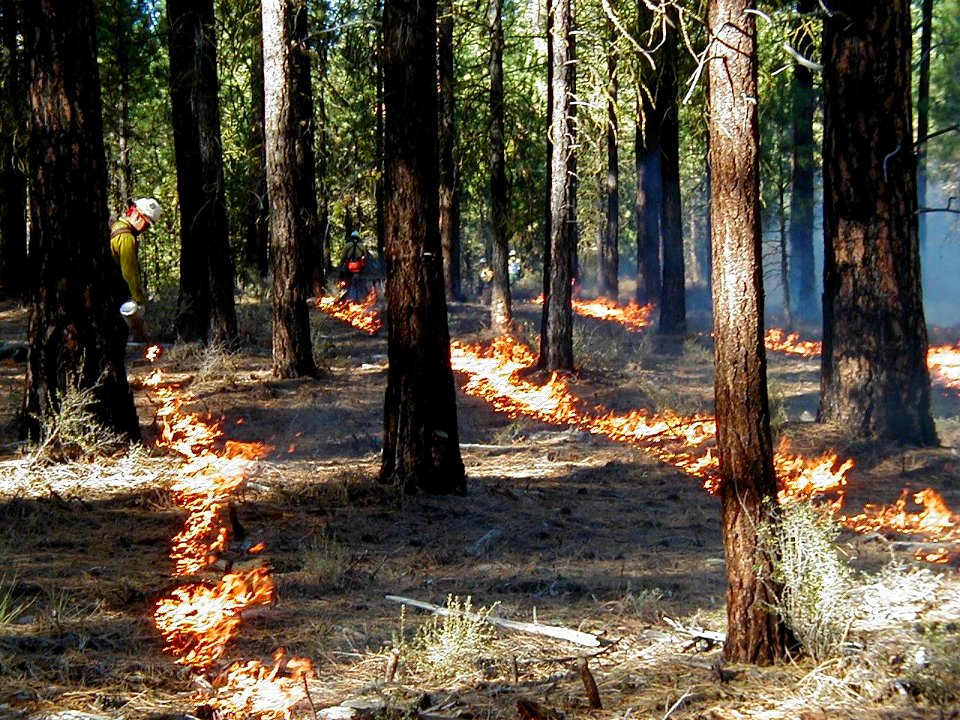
<point x="421" y="446"/>
<point x="205" y="306"/>
<point x="556" y="333"/>
<point x="501" y="311"/>
<point x="14" y="281"/>
<point x="76" y="336"/>
<point x="748" y="488"/>
<point x="802" y="271"/>
<point x="289" y="242"/>
<point x="609" y="251"/>
<point x="449" y="180"/>
<point x="874" y="379"/>
<point x="673" y="308"/>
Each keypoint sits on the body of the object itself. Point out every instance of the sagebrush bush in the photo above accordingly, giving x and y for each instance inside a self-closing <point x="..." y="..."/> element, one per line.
<point x="450" y="645"/>
<point x="72" y="430"/>
<point x="818" y="602"/>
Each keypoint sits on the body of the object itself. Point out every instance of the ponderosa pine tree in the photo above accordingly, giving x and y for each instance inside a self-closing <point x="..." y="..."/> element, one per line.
<point x="748" y="485"/>
<point x="76" y="337"/>
<point x="205" y="306"/>
<point x="501" y="306"/>
<point x="449" y="175"/>
<point x="421" y="446"/>
<point x="289" y="238"/>
<point x="874" y="379"/>
<point x="14" y="282"/>
<point x="609" y="251"/>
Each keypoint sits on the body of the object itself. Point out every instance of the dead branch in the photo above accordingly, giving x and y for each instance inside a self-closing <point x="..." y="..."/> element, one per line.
<point x="696" y="632"/>
<point x="560" y="633"/>
<point x="589" y="684"/>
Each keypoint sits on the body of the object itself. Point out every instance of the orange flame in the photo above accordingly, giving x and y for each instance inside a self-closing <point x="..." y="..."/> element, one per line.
<point x="945" y="361"/>
<point x="778" y="340"/>
<point x="631" y="315"/>
<point x="361" y="315"/>
<point x="198" y="620"/>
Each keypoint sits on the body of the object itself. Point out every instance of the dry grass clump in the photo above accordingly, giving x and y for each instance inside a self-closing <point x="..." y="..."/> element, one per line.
<point x="449" y="645"/>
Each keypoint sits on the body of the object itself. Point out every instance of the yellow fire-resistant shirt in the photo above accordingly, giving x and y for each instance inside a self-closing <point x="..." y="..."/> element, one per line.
<point x="123" y="248"/>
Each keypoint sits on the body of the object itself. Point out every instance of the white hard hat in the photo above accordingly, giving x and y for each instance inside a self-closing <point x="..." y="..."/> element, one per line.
<point x="355" y="234"/>
<point x="149" y="207"/>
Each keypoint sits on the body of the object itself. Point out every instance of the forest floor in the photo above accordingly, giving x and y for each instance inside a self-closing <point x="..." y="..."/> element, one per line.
<point x="558" y="526"/>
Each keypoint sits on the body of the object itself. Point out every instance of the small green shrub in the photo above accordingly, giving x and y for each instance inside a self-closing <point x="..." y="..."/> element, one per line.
<point x="326" y="560"/>
<point x="450" y="645"/>
<point x="818" y="601"/>
<point x="73" y="430"/>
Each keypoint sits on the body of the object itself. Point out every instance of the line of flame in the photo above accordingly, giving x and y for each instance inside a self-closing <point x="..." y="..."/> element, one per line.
<point x="631" y="315"/>
<point x="499" y="374"/>
<point x="198" y="620"/>
<point x="361" y="315"/>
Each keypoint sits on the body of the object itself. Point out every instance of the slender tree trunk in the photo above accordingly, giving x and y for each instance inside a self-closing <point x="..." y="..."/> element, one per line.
<point x="609" y="253"/>
<point x="289" y="242"/>
<point x="301" y="101"/>
<point x="556" y="334"/>
<point x="923" y="112"/>
<point x="673" y="308"/>
<point x="803" y="272"/>
<point x="323" y="255"/>
<point x="874" y="379"/>
<point x="14" y="281"/>
<point x="206" y="305"/>
<point x="748" y="488"/>
<point x="649" y="196"/>
<point x="76" y="336"/>
<point x="501" y="311"/>
<point x="121" y="39"/>
<point x="257" y="240"/>
<point x="381" y="170"/>
<point x="449" y="191"/>
<point x="421" y="447"/>
<point x="784" y="253"/>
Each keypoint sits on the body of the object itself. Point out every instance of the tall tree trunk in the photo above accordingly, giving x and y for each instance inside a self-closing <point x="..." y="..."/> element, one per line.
<point x="120" y="37"/>
<point x="874" y="379"/>
<point x="748" y="489"/>
<point x="257" y="238"/>
<point x="673" y="308"/>
<point x="14" y="281"/>
<point x="205" y="305"/>
<point x="289" y="242"/>
<point x="556" y="333"/>
<point x="803" y="272"/>
<point x="649" y="196"/>
<point x="501" y="310"/>
<point x="381" y="170"/>
<point x="449" y="180"/>
<point x="76" y="336"/>
<point x="305" y="182"/>
<point x="323" y="254"/>
<point x="923" y="112"/>
<point x="421" y="446"/>
<point x="609" y="254"/>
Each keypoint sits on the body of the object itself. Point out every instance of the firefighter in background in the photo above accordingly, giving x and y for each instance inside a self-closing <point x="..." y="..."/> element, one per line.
<point x="124" y="248"/>
<point x="353" y="261"/>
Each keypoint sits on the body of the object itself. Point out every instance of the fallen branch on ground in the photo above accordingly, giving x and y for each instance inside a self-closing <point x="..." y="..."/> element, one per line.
<point x="560" y="633"/>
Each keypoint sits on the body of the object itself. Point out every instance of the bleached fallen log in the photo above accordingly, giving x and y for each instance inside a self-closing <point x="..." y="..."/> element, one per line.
<point x="560" y="633"/>
<point x="696" y="632"/>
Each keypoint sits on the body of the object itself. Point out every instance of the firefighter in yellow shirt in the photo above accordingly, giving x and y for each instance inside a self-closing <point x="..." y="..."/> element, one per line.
<point x="124" y="244"/>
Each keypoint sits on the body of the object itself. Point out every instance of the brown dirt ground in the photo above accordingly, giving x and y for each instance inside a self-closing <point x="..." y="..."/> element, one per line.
<point x="594" y="536"/>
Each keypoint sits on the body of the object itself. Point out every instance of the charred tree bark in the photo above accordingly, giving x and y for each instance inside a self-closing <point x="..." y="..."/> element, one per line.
<point x="501" y="310"/>
<point x="449" y="180"/>
<point x="14" y="281"/>
<point x="874" y="378"/>
<point x="609" y="254"/>
<point x="76" y="337"/>
<point x="673" y="306"/>
<point x="205" y="305"/>
<point x="556" y="332"/>
<point x="289" y="241"/>
<point x="802" y="271"/>
<point x="421" y="446"/>
<point x="748" y="489"/>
